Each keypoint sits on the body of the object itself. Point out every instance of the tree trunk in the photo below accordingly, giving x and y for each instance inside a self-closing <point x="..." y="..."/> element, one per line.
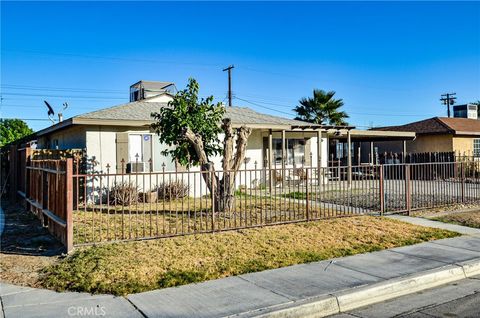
<point x="223" y="190"/>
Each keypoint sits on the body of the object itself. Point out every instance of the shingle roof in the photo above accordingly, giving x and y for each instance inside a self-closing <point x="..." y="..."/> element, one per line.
<point x="461" y="124"/>
<point x="439" y="125"/>
<point x="142" y="111"/>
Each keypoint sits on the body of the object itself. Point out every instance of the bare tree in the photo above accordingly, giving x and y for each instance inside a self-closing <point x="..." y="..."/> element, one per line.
<point x="191" y="127"/>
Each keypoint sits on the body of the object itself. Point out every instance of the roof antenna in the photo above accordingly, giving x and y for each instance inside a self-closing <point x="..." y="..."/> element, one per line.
<point x="50" y="112"/>
<point x="60" y="115"/>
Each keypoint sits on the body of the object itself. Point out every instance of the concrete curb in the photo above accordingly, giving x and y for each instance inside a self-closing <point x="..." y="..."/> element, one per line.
<point x="366" y="295"/>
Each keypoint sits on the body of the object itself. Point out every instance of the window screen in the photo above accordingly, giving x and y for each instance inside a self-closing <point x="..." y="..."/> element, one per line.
<point x="295" y="149"/>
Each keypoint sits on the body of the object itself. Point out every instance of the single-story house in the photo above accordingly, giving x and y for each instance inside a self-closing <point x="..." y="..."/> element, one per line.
<point x="442" y="134"/>
<point x="123" y="132"/>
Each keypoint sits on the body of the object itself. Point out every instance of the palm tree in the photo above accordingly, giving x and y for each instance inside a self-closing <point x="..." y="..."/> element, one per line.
<point x="321" y="109"/>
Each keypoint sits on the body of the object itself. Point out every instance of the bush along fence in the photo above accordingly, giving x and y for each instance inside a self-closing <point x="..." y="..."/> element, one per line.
<point x="85" y="208"/>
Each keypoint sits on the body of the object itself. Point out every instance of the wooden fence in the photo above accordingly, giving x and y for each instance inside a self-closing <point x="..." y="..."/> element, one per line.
<point x="49" y="193"/>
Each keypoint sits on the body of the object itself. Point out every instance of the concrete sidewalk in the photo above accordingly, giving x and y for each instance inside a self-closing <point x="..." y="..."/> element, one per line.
<point x="314" y="289"/>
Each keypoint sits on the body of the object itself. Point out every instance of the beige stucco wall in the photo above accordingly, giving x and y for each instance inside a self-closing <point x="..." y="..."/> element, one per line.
<point x="463" y="144"/>
<point x="430" y="143"/>
<point x="72" y="137"/>
<point x="101" y="145"/>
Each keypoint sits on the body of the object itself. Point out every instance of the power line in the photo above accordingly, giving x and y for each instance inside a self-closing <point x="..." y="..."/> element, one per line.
<point x="275" y="73"/>
<point x="42" y="106"/>
<point x="262" y="106"/>
<point x="33" y="119"/>
<point x="64" y="96"/>
<point x="70" y="89"/>
<point x="353" y="113"/>
<point x="88" y="56"/>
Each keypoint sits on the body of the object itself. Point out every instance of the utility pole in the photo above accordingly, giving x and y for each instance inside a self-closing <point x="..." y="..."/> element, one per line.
<point x="448" y="99"/>
<point x="229" y="69"/>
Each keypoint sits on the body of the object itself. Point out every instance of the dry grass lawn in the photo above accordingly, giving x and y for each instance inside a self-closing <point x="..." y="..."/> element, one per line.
<point x="133" y="267"/>
<point x="471" y="219"/>
<point x="147" y="220"/>
<point x="461" y="214"/>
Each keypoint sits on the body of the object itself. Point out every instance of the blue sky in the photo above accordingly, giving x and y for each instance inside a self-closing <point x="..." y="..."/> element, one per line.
<point x="390" y="62"/>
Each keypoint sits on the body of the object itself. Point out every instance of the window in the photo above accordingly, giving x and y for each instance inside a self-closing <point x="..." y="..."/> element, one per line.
<point x="295" y="151"/>
<point x="141" y="145"/>
<point x="476" y="147"/>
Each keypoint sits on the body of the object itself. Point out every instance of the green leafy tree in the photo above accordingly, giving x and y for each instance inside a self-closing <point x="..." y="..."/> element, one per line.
<point x="322" y="108"/>
<point x="13" y="129"/>
<point x="190" y="126"/>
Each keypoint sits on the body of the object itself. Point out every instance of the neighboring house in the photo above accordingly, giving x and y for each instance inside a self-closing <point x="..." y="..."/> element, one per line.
<point x="439" y="134"/>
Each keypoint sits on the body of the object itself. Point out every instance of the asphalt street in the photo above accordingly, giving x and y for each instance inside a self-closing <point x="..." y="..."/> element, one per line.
<point x="459" y="299"/>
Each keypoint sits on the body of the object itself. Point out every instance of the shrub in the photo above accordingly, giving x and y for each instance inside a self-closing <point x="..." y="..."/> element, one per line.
<point x="172" y="190"/>
<point x="300" y="173"/>
<point x="123" y="193"/>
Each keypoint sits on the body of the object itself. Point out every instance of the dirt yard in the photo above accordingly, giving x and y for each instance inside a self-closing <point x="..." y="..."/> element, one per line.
<point x="26" y="248"/>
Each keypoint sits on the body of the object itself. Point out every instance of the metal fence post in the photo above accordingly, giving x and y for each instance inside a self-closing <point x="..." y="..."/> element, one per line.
<point x="408" y="194"/>
<point x="306" y="196"/>
<point x="212" y="194"/>
<point x="69" y="204"/>
<point x="462" y="176"/>
<point x="382" y="191"/>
